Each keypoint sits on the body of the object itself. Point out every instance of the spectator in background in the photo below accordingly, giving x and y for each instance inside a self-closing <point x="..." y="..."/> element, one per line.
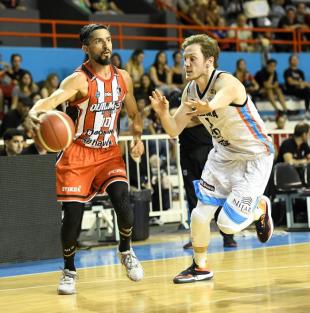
<point x="267" y="79"/>
<point x="145" y="89"/>
<point x="103" y="7"/>
<point x="279" y="137"/>
<point x="145" y="111"/>
<point x="160" y="184"/>
<point x="221" y="33"/>
<point x="247" y="79"/>
<point x="295" y="82"/>
<point x="280" y="122"/>
<point x="177" y="77"/>
<point x="6" y="84"/>
<point x="296" y="150"/>
<point x="13" y="142"/>
<point x="276" y="12"/>
<point x="233" y="8"/>
<point x="160" y="73"/>
<point x="135" y="67"/>
<point x="116" y="60"/>
<point x="199" y="12"/>
<point x="184" y="6"/>
<point x="288" y="21"/>
<point x="213" y="13"/>
<point x="241" y="34"/>
<point x="34" y="148"/>
<point x="24" y="88"/>
<point x="302" y="14"/>
<point x="50" y="85"/>
<point x="16" y="72"/>
<point x="12" y="4"/>
<point x="14" y="118"/>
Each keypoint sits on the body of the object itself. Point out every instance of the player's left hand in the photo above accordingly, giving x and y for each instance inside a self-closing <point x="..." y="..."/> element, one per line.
<point x="197" y="107"/>
<point x="136" y="149"/>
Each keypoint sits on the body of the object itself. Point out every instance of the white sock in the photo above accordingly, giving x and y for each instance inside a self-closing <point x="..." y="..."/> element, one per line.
<point x="200" y="259"/>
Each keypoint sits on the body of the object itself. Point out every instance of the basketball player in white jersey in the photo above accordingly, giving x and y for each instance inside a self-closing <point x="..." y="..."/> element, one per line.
<point x="238" y="167"/>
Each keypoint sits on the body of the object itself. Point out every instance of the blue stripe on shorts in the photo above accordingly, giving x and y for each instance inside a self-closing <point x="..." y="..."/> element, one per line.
<point x="207" y="199"/>
<point x="233" y="215"/>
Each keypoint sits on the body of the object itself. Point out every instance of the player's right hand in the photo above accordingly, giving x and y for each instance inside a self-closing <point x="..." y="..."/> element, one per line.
<point x="35" y="118"/>
<point x="159" y="103"/>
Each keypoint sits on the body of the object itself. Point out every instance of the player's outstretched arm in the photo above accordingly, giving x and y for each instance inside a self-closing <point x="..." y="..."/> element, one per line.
<point x="173" y="125"/>
<point x="68" y="89"/>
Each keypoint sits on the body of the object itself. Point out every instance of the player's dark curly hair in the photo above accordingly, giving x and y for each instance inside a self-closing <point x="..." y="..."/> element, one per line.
<point x="87" y="30"/>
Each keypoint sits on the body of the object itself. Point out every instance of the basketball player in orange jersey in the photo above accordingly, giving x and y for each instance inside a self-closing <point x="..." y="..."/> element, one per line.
<point x="93" y="162"/>
<point x="238" y="167"/>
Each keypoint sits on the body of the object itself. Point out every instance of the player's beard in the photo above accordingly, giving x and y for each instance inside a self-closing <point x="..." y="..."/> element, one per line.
<point x="105" y="61"/>
<point x="102" y="61"/>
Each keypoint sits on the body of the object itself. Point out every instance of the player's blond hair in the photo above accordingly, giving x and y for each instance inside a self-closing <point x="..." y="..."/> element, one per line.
<point x="209" y="46"/>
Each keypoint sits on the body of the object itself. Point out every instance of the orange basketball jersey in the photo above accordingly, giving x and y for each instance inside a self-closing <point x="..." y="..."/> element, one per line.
<point x="98" y="112"/>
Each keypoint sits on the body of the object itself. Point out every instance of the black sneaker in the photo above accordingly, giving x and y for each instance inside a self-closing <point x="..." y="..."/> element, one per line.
<point x="192" y="274"/>
<point x="264" y="225"/>
<point x="229" y="241"/>
<point x="188" y="245"/>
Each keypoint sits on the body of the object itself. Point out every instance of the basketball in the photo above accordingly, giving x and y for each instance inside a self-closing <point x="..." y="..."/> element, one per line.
<point x="56" y="131"/>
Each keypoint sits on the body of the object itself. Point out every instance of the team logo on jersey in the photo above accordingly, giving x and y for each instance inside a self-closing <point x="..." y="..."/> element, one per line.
<point x="97" y="94"/>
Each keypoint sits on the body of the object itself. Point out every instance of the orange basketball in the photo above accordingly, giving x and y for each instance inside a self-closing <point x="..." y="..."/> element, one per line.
<point x="56" y="131"/>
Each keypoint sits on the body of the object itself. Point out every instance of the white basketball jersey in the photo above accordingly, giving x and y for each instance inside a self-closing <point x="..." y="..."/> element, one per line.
<point x="237" y="130"/>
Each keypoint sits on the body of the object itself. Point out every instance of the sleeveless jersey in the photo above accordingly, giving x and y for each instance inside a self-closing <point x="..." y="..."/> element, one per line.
<point x="98" y="112"/>
<point x="237" y="130"/>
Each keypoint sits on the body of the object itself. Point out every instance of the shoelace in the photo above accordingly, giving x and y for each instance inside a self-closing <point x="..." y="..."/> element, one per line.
<point x="130" y="260"/>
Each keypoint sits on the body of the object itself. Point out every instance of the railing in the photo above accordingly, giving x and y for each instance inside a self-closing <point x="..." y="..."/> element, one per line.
<point x="119" y="29"/>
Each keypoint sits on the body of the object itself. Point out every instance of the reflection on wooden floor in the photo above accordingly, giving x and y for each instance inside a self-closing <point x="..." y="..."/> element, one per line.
<point x="274" y="279"/>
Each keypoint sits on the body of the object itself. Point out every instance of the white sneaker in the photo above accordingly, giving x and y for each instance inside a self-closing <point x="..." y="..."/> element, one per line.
<point x="132" y="265"/>
<point x="67" y="283"/>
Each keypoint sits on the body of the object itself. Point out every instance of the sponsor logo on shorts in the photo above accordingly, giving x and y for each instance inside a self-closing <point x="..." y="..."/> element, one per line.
<point x="116" y="171"/>
<point x="244" y="204"/>
<point x="204" y="184"/>
<point x="71" y="188"/>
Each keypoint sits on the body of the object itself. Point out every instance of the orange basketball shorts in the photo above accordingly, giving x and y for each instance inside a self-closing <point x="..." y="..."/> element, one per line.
<point x="83" y="172"/>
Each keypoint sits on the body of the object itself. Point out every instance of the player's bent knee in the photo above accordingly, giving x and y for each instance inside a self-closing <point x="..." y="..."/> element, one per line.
<point x="226" y="225"/>
<point x="202" y="214"/>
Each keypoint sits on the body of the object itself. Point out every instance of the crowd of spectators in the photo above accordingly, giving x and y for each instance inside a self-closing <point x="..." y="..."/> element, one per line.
<point x="18" y="91"/>
<point x="244" y="15"/>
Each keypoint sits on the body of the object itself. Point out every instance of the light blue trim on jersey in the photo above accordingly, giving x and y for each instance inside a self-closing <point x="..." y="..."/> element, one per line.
<point x="207" y="199"/>
<point x="233" y="215"/>
<point x="244" y="110"/>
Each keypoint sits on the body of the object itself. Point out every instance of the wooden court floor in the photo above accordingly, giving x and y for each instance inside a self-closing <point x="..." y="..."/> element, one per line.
<point x="273" y="279"/>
